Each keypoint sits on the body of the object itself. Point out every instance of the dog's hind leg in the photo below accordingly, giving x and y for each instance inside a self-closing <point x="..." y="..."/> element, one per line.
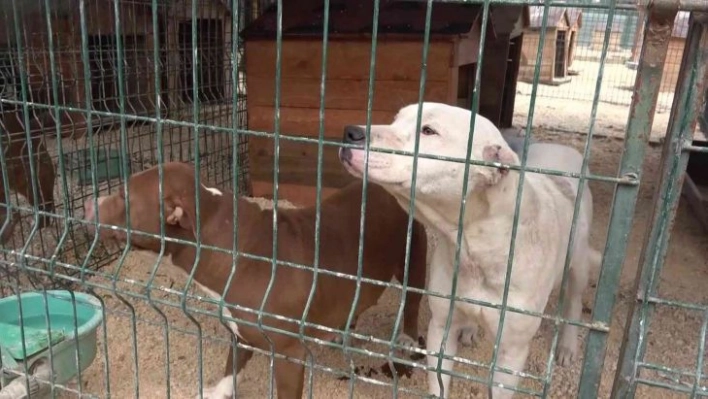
<point x="225" y="388"/>
<point x="512" y="356"/>
<point x="289" y="374"/>
<point x="439" y="383"/>
<point x="568" y="343"/>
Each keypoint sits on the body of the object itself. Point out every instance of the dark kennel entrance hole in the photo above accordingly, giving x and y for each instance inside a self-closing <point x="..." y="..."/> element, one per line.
<point x="561" y="58"/>
<point x="571" y="48"/>
<point x="103" y="61"/>
<point x="465" y="84"/>
<point x="210" y="73"/>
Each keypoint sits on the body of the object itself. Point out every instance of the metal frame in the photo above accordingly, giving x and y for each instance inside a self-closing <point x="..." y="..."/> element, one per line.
<point x="690" y="96"/>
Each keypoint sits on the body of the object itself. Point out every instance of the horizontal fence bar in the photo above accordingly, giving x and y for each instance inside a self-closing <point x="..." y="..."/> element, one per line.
<point x="589" y="4"/>
<point x="695" y="148"/>
<point x="668" y="370"/>
<point x="603" y="327"/>
<point x="629" y="179"/>
<point x="677" y="304"/>
<point x="677" y="387"/>
<point x="683" y="5"/>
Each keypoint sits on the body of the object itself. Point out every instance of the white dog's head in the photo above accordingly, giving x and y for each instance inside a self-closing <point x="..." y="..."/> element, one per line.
<point x="444" y="131"/>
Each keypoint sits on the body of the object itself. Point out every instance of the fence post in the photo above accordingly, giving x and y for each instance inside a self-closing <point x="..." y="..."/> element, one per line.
<point x="688" y="100"/>
<point x="641" y="117"/>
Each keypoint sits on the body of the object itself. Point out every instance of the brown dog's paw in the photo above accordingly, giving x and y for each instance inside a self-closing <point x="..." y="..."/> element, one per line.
<point x="421" y="345"/>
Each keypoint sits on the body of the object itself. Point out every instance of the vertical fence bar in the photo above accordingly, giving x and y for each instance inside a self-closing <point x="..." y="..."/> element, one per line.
<point x="159" y="135"/>
<point x="318" y="200"/>
<point x="579" y="194"/>
<point x="196" y="48"/>
<point x="682" y="124"/>
<point x="236" y="60"/>
<point x="362" y="220"/>
<point x="276" y="173"/>
<point x="641" y="116"/>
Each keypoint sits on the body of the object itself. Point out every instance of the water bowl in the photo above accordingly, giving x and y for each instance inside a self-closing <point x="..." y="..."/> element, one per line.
<point x="57" y="327"/>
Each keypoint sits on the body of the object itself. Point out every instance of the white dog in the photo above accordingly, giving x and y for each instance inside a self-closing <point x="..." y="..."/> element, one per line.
<point x="541" y="242"/>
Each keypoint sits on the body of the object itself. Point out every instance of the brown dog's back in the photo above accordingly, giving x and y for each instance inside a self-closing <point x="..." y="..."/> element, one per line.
<point x="384" y="255"/>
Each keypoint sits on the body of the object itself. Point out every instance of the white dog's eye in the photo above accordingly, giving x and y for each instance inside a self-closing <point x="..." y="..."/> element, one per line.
<point x="428" y="131"/>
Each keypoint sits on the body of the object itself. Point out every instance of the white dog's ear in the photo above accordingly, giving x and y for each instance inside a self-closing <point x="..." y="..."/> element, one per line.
<point x="498" y="154"/>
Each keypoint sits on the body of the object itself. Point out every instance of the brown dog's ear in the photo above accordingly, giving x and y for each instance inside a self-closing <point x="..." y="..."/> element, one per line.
<point x="177" y="212"/>
<point x="499" y="154"/>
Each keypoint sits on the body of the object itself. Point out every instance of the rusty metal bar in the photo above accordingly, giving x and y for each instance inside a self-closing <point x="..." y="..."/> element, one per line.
<point x="657" y="28"/>
<point x="688" y="101"/>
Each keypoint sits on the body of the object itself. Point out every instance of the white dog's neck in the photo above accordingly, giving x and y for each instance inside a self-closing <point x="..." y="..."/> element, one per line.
<point x="442" y="214"/>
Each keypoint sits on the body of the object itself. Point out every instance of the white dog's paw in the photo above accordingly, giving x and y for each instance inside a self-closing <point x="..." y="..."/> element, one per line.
<point x="223" y="390"/>
<point x="469" y="336"/>
<point x="565" y="355"/>
<point x="404" y="342"/>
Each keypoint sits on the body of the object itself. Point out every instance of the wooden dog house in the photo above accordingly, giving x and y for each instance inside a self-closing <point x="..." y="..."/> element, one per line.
<point x="451" y="65"/>
<point x="557" y="50"/>
<point x="575" y="18"/>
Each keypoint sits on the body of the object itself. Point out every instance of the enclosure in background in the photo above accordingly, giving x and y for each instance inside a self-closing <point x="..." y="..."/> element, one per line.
<point x="115" y="69"/>
<point x="571" y="61"/>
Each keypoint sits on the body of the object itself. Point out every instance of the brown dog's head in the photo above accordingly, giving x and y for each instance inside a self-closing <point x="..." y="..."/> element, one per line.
<point x="144" y="202"/>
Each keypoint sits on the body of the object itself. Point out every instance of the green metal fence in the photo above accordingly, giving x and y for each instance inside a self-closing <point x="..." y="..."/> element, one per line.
<point x="111" y="88"/>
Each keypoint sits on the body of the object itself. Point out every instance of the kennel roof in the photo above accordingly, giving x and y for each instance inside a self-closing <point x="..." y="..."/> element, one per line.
<point x="556" y="15"/>
<point x="354" y="17"/>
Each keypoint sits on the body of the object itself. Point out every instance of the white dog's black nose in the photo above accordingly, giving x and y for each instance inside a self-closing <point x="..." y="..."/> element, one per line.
<point x="354" y="134"/>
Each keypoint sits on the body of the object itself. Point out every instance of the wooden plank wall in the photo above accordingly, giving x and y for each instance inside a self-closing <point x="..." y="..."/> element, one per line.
<point x="397" y="84"/>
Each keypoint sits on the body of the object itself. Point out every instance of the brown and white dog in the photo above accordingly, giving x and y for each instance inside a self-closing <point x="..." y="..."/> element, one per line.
<point x="383" y="258"/>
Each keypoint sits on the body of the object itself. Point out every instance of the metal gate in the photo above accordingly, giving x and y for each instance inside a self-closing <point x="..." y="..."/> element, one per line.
<point x="633" y="370"/>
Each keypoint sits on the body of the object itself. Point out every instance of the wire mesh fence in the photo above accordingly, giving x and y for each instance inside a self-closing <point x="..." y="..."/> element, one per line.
<point x="131" y="152"/>
<point x="571" y="61"/>
<point x="72" y="61"/>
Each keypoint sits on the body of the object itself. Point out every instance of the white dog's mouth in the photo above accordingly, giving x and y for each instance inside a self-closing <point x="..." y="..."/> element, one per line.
<point x="353" y="162"/>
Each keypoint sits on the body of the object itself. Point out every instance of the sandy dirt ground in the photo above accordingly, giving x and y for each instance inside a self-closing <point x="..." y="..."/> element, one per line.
<point x="567" y="107"/>
<point x="134" y="326"/>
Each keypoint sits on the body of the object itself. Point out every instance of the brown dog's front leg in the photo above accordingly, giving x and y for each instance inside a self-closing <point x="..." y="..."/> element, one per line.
<point x="225" y="388"/>
<point x="243" y="355"/>
<point x="289" y="374"/>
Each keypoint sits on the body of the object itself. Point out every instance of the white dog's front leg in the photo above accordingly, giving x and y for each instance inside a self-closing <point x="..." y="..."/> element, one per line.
<point x="439" y="383"/>
<point x="512" y="356"/>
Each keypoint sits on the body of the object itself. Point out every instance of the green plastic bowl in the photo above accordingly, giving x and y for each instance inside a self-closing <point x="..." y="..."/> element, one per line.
<point x="72" y="330"/>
